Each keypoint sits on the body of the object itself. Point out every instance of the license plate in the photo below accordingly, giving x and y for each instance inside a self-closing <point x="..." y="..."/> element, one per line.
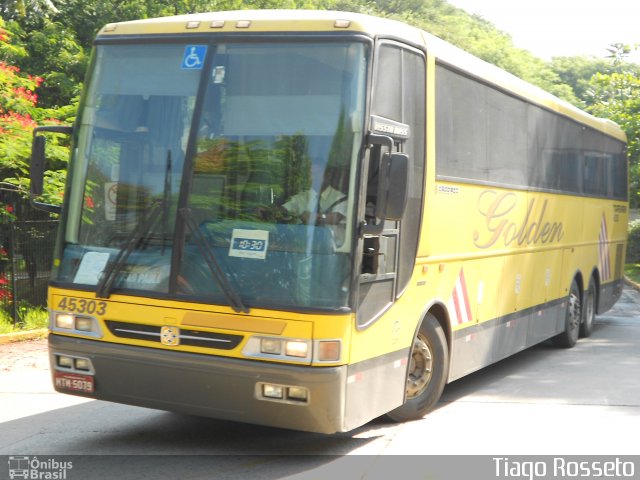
<point x="74" y="382"/>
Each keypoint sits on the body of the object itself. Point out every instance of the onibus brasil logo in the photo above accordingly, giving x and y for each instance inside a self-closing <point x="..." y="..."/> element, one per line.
<point x="34" y="468"/>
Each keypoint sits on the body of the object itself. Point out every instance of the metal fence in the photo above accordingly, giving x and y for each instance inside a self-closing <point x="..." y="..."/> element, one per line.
<point x="26" y="256"/>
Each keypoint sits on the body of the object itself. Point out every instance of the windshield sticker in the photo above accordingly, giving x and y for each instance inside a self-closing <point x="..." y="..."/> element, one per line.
<point x="193" y="58"/>
<point x="91" y="268"/>
<point x="249" y="244"/>
<point x="110" y="201"/>
<point x="218" y="74"/>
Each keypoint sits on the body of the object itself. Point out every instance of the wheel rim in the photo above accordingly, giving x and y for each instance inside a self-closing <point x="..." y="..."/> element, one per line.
<point x="574" y="312"/>
<point x="420" y="367"/>
<point x="590" y="306"/>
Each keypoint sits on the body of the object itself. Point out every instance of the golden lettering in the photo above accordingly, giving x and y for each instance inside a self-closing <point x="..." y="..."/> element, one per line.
<point x="495" y="208"/>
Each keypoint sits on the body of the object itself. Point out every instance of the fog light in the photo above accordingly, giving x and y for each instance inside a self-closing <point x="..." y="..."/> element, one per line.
<point x="84" y="324"/>
<point x="65" y="362"/>
<point x="272" y="391"/>
<point x="296" y="348"/>
<point x="329" y="351"/>
<point x="65" y="320"/>
<point x="272" y="346"/>
<point x="83" y="364"/>
<point x="299" y="394"/>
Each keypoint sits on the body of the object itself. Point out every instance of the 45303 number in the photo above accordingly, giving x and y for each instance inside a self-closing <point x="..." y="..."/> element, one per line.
<point x="82" y="305"/>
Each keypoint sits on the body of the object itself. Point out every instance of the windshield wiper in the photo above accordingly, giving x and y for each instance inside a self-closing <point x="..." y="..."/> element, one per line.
<point x="103" y="289"/>
<point x="209" y="257"/>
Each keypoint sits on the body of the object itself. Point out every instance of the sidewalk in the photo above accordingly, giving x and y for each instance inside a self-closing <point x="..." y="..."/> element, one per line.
<point x="21" y="336"/>
<point x="628" y="305"/>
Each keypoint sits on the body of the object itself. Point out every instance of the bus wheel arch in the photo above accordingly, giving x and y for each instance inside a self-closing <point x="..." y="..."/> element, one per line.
<point x="427" y="370"/>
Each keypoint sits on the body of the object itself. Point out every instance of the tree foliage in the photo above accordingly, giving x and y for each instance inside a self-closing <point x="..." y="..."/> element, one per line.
<point x="19" y="114"/>
<point x="615" y="94"/>
<point x="51" y="40"/>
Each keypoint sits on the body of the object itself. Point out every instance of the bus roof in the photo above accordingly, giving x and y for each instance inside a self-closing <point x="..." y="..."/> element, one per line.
<point x="280" y="21"/>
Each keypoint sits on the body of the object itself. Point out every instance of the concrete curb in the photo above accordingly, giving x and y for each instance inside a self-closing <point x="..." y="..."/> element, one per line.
<point x="633" y="285"/>
<point x="20" y="336"/>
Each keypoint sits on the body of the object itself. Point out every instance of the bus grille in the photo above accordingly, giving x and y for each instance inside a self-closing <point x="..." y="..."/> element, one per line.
<point x="195" y="338"/>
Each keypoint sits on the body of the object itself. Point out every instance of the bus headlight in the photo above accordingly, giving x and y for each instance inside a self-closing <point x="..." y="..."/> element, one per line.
<point x="299" y="394"/>
<point x="271" y="346"/>
<point x="82" y="364"/>
<point x="272" y="391"/>
<point x="291" y="394"/>
<point x="73" y="364"/>
<point x="84" y="324"/>
<point x="292" y="349"/>
<point x="64" y="320"/>
<point x="64" y="361"/>
<point x="296" y="348"/>
<point x="70" y="323"/>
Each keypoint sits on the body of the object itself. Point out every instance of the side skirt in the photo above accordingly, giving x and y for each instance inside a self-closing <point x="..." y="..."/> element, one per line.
<point x="479" y="345"/>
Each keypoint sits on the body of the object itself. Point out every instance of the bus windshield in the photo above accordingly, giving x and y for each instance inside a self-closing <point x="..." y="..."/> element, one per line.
<point x="213" y="171"/>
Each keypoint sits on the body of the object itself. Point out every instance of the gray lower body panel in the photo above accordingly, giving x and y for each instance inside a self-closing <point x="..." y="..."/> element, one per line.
<point x="209" y="386"/>
<point x="483" y="344"/>
<point x="609" y="294"/>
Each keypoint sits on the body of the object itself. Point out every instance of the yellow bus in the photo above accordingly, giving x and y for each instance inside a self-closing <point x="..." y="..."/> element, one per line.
<point x="310" y="219"/>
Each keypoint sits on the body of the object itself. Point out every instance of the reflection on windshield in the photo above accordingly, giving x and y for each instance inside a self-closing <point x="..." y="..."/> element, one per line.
<point x="130" y="156"/>
<point x="271" y="178"/>
<point x="272" y="182"/>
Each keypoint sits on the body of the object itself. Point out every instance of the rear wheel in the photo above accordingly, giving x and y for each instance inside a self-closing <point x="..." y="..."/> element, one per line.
<point x="426" y="373"/>
<point x="573" y="317"/>
<point x="588" y="309"/>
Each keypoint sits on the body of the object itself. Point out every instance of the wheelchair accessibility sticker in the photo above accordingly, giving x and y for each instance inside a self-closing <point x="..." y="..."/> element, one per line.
<point x="194" y="57"/>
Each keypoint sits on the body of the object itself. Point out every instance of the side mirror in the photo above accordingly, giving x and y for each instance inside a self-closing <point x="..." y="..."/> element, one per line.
<point x="391" y="191"/>
<point x="37" y="165"/>
<point x="397" y="182"/>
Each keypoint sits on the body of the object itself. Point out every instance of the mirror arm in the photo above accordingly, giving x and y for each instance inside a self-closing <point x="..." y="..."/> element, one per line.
<point x="374" y="139"/>
<point x="65" y="129"/>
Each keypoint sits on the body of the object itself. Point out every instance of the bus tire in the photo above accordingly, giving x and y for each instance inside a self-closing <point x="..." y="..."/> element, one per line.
<point x="573" y="318"/>
<point x="588" y="310"/>
<point x="426" y="372"/>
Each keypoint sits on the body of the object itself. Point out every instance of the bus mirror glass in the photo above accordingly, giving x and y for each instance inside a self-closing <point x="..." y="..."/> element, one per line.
<point x="397" y="183"/>
<point x="37" y="164"/>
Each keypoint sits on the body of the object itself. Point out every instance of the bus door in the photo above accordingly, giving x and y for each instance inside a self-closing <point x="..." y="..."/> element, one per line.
<point x="397" y="122"/>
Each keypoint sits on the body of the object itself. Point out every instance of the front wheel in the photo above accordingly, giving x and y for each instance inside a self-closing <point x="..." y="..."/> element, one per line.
<point x="573" y="318"/>
<point x="426" y="373"/>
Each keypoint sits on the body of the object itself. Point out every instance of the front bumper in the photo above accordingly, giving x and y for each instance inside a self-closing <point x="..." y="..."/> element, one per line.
<point x="209" y="386"/>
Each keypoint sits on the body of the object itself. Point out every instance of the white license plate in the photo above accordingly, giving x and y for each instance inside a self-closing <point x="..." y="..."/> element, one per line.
<point x="74" y="382"/>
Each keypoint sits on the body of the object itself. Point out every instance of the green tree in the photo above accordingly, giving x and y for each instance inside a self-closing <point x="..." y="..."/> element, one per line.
<point x="19" y="114"/>
<point x="576" y="72"/>
<point x="616" y="96"/>
<point x="53" y="53"/>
